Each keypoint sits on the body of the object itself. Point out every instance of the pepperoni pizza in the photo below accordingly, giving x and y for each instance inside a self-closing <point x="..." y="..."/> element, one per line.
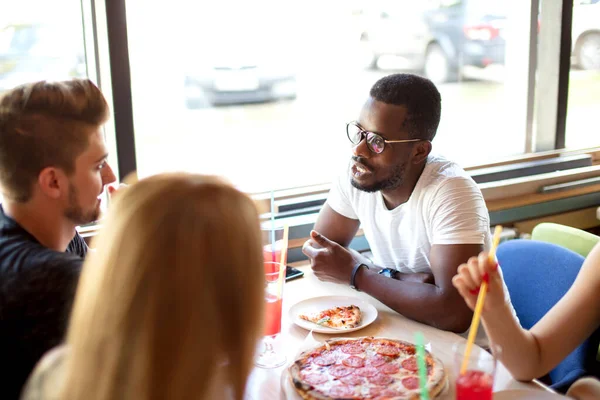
<point x="364" y="368"/>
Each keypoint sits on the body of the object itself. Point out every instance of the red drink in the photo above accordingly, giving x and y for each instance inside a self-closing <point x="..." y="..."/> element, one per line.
<point x="272" y="315"/>
<point x="474" y="385"/>
<point x="273" y="254"/>
<point x="274" y="280"/>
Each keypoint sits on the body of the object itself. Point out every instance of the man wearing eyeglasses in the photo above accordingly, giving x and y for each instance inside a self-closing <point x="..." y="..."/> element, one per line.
<point x="421" y="214"/>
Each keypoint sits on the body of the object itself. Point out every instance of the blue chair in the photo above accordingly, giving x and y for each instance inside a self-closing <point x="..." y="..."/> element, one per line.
<point x="537" y="275"/>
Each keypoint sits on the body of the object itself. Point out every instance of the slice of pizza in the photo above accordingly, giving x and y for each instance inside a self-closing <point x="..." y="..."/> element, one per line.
<point x="343" y="317"/>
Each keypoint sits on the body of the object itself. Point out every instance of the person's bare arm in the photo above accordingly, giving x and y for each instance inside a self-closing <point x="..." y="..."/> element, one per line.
<point x="342" y="230"/>
<point x="530" y="354"/>
<point x="570" y="321"/>
<point x="438" y="304"/>
<point x="335" y="226"/>
<point x="587" y="388"/>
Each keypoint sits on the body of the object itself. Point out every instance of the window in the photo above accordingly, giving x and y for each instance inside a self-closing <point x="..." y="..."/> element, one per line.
<point x="263" y="97"/>
<point x="41" y="40"/>
<point x="260" y="91"/>
<point x="584" y="79"/>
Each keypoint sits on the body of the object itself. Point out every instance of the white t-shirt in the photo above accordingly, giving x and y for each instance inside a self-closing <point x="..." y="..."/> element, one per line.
<point x="445" y="207"/>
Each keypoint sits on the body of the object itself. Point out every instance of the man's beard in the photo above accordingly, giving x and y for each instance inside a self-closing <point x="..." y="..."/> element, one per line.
<point x="76" y="213"/>
<point x="394" y="181"/>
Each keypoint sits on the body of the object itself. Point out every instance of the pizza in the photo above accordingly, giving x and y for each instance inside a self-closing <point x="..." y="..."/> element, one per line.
<point x="343" y="317"/>
<point x="364" y="368"/>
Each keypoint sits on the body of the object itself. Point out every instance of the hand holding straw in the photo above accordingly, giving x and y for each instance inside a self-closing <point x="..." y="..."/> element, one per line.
<point x="480" y="301"/>
<point x="422" y="366"/>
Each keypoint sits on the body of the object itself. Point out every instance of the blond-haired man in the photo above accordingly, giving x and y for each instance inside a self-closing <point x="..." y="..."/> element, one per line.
<point x="53" y="171"/>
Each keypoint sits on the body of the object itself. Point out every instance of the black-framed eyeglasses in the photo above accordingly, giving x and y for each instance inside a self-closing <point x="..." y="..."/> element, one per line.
<point x="375" y="142"/>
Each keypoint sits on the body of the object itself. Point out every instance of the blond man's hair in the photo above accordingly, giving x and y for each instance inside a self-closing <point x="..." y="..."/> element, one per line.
<point x="173" y="296"/>
<point x="42" y="124"/>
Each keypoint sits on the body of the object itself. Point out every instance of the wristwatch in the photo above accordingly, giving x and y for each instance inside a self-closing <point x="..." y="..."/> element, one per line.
<point x="389" y="272"/>
<point x="353" y="276"/>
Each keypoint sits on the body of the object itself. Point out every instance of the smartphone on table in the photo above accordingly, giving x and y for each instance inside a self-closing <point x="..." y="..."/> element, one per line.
<point x="292" y="273"/>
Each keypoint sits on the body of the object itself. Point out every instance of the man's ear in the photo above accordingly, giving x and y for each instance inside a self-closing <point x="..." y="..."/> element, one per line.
<point x="421" y="151"/>
<point x="52" y="182"/>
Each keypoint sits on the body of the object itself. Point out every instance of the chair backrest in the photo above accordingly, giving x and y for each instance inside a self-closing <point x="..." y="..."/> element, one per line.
<point x="537" y="275"/>
<point x="577" y="240"/>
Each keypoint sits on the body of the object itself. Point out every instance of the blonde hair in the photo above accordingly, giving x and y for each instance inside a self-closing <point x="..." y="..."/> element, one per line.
<point x="174" y="292"/>
<point x="45" y="121"/>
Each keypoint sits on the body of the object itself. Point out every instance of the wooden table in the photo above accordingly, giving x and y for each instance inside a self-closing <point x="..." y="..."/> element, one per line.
<point x="266" y="384"/>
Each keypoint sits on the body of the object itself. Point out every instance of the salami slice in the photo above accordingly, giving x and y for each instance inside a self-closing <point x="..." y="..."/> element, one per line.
<point x="408" y="349"/>
<point x="375" y="391"/>
<point x="388" y="350"/>
<point x="410" y="364"/>
<point x="352" y="380"/>
<point x="376" y="360"/>
<point x="325" y="360"/>
<point x="410" y="382"/>
<point x="381" y="380"/>
<point x="340" y="370"/>
<point x="354" y="362"/>
<point x="367" y="371"/>
<point x="389" y="368"/>
<point x="342" y="392"/>
<point x="353" y="348"/>
<point x="315" y="379"/>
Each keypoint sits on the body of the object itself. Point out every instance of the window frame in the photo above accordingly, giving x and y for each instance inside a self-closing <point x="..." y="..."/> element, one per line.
<point x="300" y="205"/>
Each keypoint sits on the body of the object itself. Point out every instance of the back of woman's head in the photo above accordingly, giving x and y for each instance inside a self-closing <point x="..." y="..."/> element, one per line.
<point x="173" y="293"/>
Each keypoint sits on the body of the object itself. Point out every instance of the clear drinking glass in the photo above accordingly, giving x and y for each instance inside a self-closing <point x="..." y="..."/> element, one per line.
<point x="272" y="238"/>
<point x="274" y="280"/>
<point x="477" y="382"/>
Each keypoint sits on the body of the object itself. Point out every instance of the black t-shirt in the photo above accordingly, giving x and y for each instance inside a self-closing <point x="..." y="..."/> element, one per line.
<point x="37" y="287"/>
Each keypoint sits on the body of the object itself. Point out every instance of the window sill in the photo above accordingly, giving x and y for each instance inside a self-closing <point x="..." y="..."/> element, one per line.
<point x="508" y="201"/>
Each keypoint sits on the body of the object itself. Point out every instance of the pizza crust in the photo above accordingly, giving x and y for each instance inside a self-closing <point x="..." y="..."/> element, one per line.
<point x="437" y="378"/>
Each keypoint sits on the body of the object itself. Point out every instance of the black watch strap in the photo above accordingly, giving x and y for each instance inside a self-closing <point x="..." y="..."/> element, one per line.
<point x="353" y="276"/>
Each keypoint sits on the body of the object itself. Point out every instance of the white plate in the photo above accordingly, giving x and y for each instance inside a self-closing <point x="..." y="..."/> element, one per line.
<point x="519" y="394"/>
<point x="316" y="304"/>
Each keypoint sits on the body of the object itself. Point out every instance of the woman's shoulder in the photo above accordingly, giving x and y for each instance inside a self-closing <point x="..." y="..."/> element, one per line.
<point x="46" y="380"/>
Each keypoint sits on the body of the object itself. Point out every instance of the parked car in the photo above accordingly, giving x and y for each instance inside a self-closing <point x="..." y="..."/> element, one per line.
<point x="236" y="80"/>
<point x="447" y="35"/>
<point x="33" y="51"/>
<point x="439" y="36"/>
<point x="236" y="62"/>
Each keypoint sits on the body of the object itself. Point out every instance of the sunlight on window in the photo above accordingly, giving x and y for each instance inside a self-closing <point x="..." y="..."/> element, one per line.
<point x="263" y="97"/>
<point x="584" y="79"/>
<point x="40" y="40"/>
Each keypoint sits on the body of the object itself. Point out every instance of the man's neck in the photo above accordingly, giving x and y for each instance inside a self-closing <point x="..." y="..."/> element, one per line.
<point x="51" y="229"/>
<point x="394" y="198"/>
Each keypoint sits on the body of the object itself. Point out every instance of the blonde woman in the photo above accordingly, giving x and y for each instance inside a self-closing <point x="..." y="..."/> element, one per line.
<point x="170" y="305"/>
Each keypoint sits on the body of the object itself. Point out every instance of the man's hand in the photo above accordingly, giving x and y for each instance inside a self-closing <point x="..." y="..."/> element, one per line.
<point x="330" y="261"/>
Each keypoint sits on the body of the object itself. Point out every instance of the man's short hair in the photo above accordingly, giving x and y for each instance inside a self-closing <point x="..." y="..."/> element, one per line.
<point x="420" y="97"/>
<point x="42" y="124"/>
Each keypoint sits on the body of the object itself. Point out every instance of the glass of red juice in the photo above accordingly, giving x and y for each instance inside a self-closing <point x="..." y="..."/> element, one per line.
<point x="274" y="281"/>
<point x="477" y="381"/>
<point x="272" y="238"/>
